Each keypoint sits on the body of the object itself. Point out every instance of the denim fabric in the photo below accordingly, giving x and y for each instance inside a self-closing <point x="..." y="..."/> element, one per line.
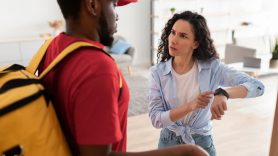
<point x="169" y="138"/>
<point x="206" y="142"/>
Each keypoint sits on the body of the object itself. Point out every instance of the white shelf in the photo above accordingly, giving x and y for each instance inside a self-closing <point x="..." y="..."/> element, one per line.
<point x="22" y="39"/>
<point x="19" y="51"/>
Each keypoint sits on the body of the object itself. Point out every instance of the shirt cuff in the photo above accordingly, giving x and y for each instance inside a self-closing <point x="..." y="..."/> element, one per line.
<point x="252" y="90"/>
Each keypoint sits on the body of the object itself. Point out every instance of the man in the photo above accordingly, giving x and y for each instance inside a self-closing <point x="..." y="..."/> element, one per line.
<point x="89" y="102"/>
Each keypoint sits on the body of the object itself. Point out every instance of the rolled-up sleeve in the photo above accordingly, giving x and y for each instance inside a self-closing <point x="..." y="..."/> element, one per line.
<point x="255" y="88"/>
<point x="158" y="112"/>
<point x="232" y="77"/>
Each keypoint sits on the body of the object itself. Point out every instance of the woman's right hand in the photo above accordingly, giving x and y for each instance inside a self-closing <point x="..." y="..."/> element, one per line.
<point x="201" y="101"/>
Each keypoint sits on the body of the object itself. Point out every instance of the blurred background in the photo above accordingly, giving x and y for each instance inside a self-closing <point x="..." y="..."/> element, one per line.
<point x="244" y="33"/>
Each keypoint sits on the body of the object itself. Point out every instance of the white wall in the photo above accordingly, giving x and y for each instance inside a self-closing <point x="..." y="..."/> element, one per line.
<point x="134" y="24"/>
<point x="222" y="17"/>
<point x="29" y="18"/>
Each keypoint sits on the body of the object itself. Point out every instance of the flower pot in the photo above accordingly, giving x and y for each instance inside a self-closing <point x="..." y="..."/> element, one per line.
<point x="273" y="64"/>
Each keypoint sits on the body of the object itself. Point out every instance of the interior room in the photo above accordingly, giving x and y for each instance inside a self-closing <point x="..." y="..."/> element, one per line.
<point x="245" y="34"/>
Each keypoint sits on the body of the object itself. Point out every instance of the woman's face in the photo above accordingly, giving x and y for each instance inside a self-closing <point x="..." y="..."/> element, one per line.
<point x="182" y="40"/>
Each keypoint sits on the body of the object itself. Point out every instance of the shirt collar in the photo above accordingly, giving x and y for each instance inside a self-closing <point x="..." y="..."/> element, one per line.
<point x="200" y="64"/>
<point x="168" y="67"/>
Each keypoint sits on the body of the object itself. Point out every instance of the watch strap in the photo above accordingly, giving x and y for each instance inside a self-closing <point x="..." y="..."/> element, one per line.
<point x="221" y="91"/>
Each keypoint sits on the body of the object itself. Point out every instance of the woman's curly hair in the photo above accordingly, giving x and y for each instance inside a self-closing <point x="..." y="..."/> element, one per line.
<point x="204" y="51"/>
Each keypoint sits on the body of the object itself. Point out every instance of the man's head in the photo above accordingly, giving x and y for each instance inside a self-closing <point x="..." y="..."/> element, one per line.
<point x="96" y="18"/>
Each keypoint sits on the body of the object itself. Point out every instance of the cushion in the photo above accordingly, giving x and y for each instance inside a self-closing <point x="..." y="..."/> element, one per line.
<point x="121" y="58"/>
<point x="120" y="47"/>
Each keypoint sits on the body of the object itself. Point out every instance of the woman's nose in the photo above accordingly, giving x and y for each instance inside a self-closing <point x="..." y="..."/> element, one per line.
<point x="173" y="39"/>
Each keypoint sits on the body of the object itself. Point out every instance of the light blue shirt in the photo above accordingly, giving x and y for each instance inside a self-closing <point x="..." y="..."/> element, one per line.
<point x="211" y="75"/>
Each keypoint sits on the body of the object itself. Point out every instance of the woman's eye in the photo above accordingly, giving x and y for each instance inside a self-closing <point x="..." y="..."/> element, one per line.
<point x="183" y="36"/>
<point x="173" y="32"/>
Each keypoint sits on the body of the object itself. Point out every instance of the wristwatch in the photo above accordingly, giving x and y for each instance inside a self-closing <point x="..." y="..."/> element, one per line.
<point x="221" y="91"/>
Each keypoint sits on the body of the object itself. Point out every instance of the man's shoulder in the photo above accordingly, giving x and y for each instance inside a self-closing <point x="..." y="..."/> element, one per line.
<point x="91" y="55"/>
<point x="96" y="58"/>
<point x="67" y="39"/>
<point x="63" y="41"/>
<point x="90" y="60"/>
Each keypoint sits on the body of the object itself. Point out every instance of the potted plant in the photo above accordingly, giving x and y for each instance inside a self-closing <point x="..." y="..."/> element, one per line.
<point x="172" y="10"/>
<point x="274" y="60"/>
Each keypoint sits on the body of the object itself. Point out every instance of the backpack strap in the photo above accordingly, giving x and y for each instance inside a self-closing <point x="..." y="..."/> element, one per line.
<point x="36" y="60"/>
<point x="68" y="50"/>
<point x="34" y="63"/>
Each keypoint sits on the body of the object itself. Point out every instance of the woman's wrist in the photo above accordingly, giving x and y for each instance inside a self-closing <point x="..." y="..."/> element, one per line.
<point x="188" y="107"/>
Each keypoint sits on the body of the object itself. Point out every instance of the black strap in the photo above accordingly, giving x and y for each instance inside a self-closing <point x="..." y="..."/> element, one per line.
<point x="221" y="91"/>
<point x="14" y="83"/>
<point x="15" y="150"/>
<point x="15" y="67"/>
<point x="20" y="103"/>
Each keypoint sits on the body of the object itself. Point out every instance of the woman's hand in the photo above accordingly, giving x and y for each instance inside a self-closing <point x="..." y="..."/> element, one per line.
<point x="201" y="101"/>
<point x="219" y="105"/>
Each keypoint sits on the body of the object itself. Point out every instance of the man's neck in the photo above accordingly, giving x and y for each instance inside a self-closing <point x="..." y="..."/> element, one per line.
<point x="80" y="30"/>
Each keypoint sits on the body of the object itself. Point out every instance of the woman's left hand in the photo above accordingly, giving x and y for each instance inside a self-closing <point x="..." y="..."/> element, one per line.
<point x="218" y="106"/>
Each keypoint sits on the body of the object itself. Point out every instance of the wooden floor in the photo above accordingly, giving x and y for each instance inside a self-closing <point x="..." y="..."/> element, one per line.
<point x="245" y="130"/>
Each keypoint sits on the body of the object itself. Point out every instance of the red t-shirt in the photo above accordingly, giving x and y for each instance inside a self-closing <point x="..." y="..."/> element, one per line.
<point x="86" y="94"/>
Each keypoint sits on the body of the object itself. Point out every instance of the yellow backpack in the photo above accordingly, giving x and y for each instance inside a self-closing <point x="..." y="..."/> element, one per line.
<point x="28" y="123"/>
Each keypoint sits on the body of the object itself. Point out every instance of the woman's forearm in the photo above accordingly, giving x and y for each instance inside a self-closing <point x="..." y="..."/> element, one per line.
<point x="179" y="112"/>
<point x="237" y="92"/>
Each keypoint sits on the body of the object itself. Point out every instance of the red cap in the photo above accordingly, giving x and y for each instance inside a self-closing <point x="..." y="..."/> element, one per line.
<point x="125" y="2"/>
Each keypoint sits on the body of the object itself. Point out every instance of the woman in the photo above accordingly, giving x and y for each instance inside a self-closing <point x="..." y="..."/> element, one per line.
<point x="184" y="86"/>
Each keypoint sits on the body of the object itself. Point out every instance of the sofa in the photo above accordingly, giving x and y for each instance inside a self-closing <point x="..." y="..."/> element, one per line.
<point x="122" y="52"/>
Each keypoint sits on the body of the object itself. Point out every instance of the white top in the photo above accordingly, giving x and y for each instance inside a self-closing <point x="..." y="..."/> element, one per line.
<point x="187" y="87"/>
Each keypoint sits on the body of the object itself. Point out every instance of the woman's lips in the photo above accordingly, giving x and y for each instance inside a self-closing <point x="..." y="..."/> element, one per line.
<point x="172" y="48"/>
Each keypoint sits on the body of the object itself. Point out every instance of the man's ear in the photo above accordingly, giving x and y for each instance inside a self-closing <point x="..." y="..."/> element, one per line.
<point x="92" y="6"/>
